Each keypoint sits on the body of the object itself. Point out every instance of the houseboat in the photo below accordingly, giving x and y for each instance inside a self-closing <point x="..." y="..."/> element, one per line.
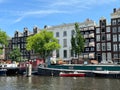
<point x="90" y="70"/>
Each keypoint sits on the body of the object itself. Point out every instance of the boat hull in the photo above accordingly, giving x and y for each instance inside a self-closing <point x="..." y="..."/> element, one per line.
<point x="89" y="70"/>
<point x="56" y="72"/>
<point x="3" y="72"/>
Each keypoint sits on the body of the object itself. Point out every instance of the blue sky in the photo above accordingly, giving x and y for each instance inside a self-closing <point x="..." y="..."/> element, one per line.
<point x="17" y="14"/>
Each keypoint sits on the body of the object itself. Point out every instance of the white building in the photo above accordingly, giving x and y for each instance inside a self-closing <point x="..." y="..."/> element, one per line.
<point x="64" y="32"/>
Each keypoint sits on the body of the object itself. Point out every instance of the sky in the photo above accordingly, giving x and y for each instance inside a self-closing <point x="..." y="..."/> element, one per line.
<point x="17" y="14"/>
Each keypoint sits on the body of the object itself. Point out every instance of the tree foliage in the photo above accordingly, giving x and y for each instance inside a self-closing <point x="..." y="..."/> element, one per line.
<point x="15" y="54"/>
<point x="3" y="38"/>
<point x="77" y="42"/>
<point x="43" y="43"/>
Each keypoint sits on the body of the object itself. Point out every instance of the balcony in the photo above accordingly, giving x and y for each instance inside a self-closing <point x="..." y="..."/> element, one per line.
<point x="91" y="35"/>
<point x="91" y="55"/>
<point x="85" y="29"/>
<point x="86" y="36"/>
<point x="86" y="44"/>
<point x="91" y="28"/>
<point x="85" y="56"/>
<point x="91" y="44"/>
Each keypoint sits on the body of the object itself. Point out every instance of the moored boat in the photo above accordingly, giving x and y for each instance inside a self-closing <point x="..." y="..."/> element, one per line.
<point x="90" y="70"/>
<point x="3" y="72"/>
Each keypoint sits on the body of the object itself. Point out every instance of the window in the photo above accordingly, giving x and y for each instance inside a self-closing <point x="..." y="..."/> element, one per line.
<point x="119" y="29"/>
<point x="98" y="30"/>
<point x="57" y="34"/>
<point x="98" y="47"/>
<point x="64" y="42"/>
<point x="118" y="21"/>
<point x="102" y="23"/>
<point x="65" y="53"/>
<point x="13" y="40"/>
<point x="87" y="40"/>
<point x="113" y="22"/>
<point x="109" y="57"/>
<point x="119" y="47"/>
<point x="57" y="53"/>
<point x="86" y="33"/>
<point x="92" y="49"/>
<point x="91" y="40"/>
<point x="108" y="46"/>
<point x="104" y="57"/>
<point x="13" y="46"/>
<point x="91" y="32"/>
<point x="115" y="47"/>
<point x="119" y="37"/>
<point x="108" y="37"/>
<point x="87" y="49"/>
<point x="72" y="32"/>
<point x="64" y="33"/>
<point x="108" y="29"/>
<point x="97" y="37"/>
<point x="114" y="38"/>
<point x="18" y="40"/>
<point x="103" y="47"/>
<point x="103" y="29"/>
<point x="22" y="39"/>
<point x="115" y="55"/>
<point x="21" y="45"/>
<point x="114" y="30"/>
<point x="103" y="37"/>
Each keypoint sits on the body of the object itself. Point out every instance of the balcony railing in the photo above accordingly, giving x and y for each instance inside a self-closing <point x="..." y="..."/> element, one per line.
<point x="86" y="36"/>
<point x="91" y="55"/>
<point x="91" y="44"/>
<point x="91" y="35"/>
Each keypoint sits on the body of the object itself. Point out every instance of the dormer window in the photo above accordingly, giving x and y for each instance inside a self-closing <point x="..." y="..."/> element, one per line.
<point x="119" y="21"/>
<point x="16" y="34"/>
<point x="25" y="33"/>
<point x="113" y="22"/>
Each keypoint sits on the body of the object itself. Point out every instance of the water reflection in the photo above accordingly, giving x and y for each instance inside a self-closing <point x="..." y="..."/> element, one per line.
<point x="58" y="83"/>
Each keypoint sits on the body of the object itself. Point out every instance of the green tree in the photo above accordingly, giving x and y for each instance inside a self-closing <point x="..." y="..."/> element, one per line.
<point x="3" y="40"/>
<point x="77" y="42"/>
<point x="15" y="54"/>
<point x="43" y="43"/>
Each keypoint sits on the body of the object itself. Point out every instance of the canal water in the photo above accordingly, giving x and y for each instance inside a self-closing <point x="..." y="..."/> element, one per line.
<point x="57" y="83"/>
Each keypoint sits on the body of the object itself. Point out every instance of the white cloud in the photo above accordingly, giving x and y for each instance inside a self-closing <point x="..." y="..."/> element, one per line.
<point x="59" y="6"/>
<point x="39" y="12"/>
<point x="82" y="3"/>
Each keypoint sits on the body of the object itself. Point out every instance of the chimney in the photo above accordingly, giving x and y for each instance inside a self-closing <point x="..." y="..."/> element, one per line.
<point x="114" y="10"/>
<point x="45" y="27"/>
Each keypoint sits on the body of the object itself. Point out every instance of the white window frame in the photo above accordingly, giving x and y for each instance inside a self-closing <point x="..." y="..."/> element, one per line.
<point x="64" y="42"/>
<point x="103" y="47"/>
<point x="109" y="46"/>
<point x="114" y="29"/>
<point x="108" y="37"/>
<point x="115" y="47"/>
<point x="108" y="29"/>
<point x="113" y="22"/>
<point x="97" y="37"/>
<point x="115" y="38"/>
<point x="97" y="30"/>
<point x="109" y="58"/>
<point x="98" y="46"/>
